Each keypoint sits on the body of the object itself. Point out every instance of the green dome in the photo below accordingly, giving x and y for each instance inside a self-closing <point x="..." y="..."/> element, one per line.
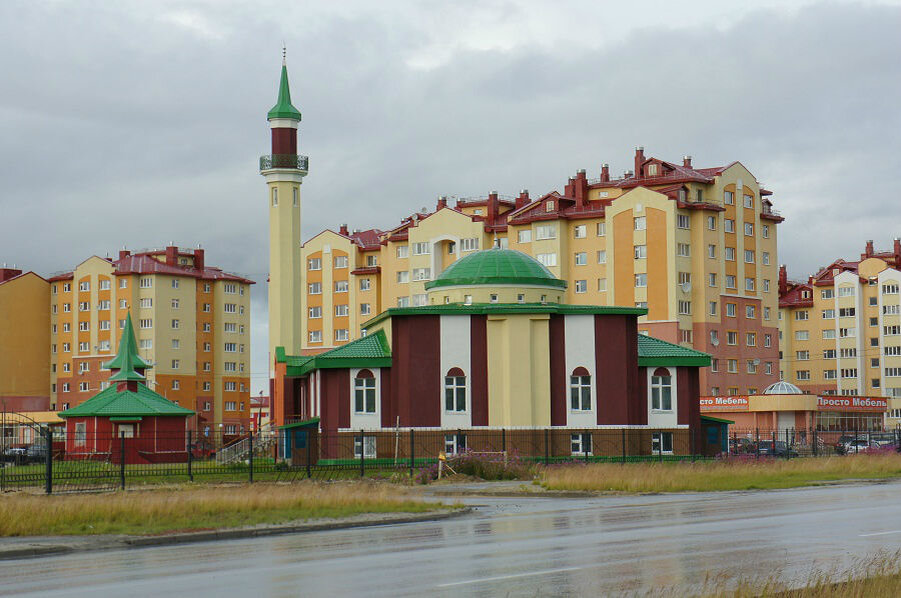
<point x="496" y="266"/>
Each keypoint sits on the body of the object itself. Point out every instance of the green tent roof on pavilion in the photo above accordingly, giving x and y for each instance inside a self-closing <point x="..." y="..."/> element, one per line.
<point x="111" y="402"/>
<point x="127" y="360"/>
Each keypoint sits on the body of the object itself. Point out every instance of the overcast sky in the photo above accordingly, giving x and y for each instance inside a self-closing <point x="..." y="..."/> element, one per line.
<point x="141" y="123"/>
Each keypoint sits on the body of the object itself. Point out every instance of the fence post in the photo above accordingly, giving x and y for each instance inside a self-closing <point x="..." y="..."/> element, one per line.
<point x="815" y="447"/>
<point x="660" y="447"/>
<point x="503" y="439"/>
<point x="412" y="451"/>
<point x="623" y="445"/>
<point x="190" y="457"/>
<point x="48" y="462"/>
<point x="691" y="443"/>
<point x="362" y="454"/>
<point x="309" y="452"/>
<point x="122" y="460"/>
<point x="856" y="448"/>
<point x="547" y="447"/>
<point x="250" y="470"/>
<point x="757" y="443"/>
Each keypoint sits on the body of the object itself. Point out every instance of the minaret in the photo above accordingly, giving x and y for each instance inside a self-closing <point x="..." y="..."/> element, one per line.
<point x="284" y="171"/>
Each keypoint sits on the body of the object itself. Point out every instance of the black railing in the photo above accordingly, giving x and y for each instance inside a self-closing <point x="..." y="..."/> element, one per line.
<point x="293" y="161"/>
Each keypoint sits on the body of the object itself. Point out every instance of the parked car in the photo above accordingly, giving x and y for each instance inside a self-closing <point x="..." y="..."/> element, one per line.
<point x="859" y="445"/>
<point x="13" y="455"/>
<point x="36" y="453"/>
<point x="777" y="449"/>
<point x="741" y="446"/>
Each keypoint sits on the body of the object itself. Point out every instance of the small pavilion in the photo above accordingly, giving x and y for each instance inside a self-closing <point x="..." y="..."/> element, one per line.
<point x="154" y="428"/>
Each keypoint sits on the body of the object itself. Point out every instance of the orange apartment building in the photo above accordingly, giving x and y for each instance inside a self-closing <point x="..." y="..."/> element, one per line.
<point x="24" y="341"/>
<point x="696" y="247"/>
<point x="192" y="322"/>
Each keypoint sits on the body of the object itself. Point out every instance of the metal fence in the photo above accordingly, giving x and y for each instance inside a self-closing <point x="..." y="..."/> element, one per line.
<point x="55" y="462"/>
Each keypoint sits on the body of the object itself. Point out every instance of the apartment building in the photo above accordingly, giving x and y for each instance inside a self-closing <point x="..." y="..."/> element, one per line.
<point x="24" y="341"/>
<point x="192" y="322"/>
<point x="696" y="247"/>
<point x="840" y="331"/>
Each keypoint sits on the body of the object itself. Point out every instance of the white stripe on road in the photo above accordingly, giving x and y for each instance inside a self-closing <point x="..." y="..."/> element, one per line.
<point x="500" y="577"/>
<point x="897" y="531"/>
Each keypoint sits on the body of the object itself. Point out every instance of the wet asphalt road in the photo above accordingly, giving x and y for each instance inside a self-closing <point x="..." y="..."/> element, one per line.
<point x="508" y="547"/>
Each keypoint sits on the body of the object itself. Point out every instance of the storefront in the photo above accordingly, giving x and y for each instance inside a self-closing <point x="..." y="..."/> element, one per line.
<point x="799" y="412"/>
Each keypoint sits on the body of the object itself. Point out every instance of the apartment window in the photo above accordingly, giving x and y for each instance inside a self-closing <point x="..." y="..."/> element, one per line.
<point x="315" y="336"/>
<point x="342" y="310"/>
<point x="768" y="368"/>
<point x="421" y="249"/>
<point x="682" y="221"/>
<point x="365" y="309"/>
<point x="847" y="332"/>
<point x="730" y="254"/>
<point x="728" y="198"/>
<point x="874" y="301"/>
<point x="341" y="261"/>
<point x="146" y="282"/>
<point x="548" y="259"/>
<point x="848" y="352"/>
<point x="765" y="258"/>
<point x="207" y="327"/>
<point x="146" y="343"/>
<point x="549" y="206"/>
<point x="849" y="372"/>
<point x="730" y="310"/>
<point x="765" y="231"/>
<point x="580" y="390"/>
<point x="892" y="350"/>
<point x="341" y="286"/>
<point x="581" y="258"/>
<point x="751" y="366"/>
<point x="683" y="249"/>
<point x="749" y="284"/>
<point x="342" y="334"/>
<point x="801" y="315"/>
<point x="66" y="389"/>
<point x="175" y="324"/>
<point x="373" y="260"/>
<point x="729" y="225"/>
<point x="714" y="367"/>
<point x="83" y="387"/>
<point x="891" y="330"/>
<point x="471" y="244"/>
<point x="711" y="279"/>
<point x="712" y="310"/>
<point x="602" y="285"/>
<point x="685" y="308"/>
<point x="750" y="312"/>
<point x="641" y="305"/>
<point x="84" y="306"/>
<point x="403" y="276"/>
<point x="711" y="251"/>
<point x="802" y="374"/>
<point x="767" y="340"/>
<point x="364" y="392"/>
<point x="749" y="229"/>
<point x="749" y="256"/>
<point x="602" y="229"/>
<point x="422" y="273"/>
<point x="580" y="231"/>
<point x="230" y="327"/>
<point x="802" y="335"/>
<point x="827" y="294"/>
<point x="847" y="312"/>
<point x="546" y="231"/>
<point x="640" y="252"/>
<point x="104" y="324"/>
<point x="802" y="355"/>
<point x="751" y="339"/>
<point x="231" y="347"/>
<point x="316" y="312"/>
<point x="175" y="364"/>
<point x="640" y="223"/>
<point x="84" y="286"/>
<point x="641" y="280"/>
<point x="731" y="338"/>
<point x="421" y="299"/>
<point x="829" y="334"/>
<point x="403" y="251"/>
<point x="581" y="286"/>
<point x="602" y="257"/>
<point x="893" y="372"/>
<point x="888" y="310"/>
<point x="730" y="281"/>
<point x="766" y="313"/>
<point x="846" y="291"/>
<point x="146" y="323"/>
<point x="84" y="326"/>
<point x="403" y="302"/>
<point x="890" y="288"/>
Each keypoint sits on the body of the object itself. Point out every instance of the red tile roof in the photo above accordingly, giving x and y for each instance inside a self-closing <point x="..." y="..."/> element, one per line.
<point x="143" y="263"/>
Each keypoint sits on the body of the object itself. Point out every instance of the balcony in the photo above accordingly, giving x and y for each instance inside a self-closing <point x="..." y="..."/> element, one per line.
<point x="284" y="161"/>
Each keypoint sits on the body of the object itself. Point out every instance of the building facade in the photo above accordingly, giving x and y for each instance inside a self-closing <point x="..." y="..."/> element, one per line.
<point x="840" y="331"/>
<point x="192" y="322"/>
<point x="24" y="341"/>
<point x="696" y="247"/>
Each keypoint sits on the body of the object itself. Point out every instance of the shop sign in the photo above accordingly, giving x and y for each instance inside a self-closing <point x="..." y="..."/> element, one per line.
<point x="731" y="403"/>
<point x="833" y="403"/>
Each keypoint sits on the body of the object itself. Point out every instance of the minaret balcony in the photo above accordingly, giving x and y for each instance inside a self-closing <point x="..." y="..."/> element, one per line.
<point x="284" y="161"/>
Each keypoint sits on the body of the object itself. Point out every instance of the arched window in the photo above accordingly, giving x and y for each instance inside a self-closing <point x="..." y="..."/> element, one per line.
<point x="580" y="390"/>
<point x="364" y="392"/>
<point x="661" y="390"/>
<point x="455" y="390"/>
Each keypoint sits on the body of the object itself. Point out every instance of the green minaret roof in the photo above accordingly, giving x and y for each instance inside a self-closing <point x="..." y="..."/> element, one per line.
<point x="283" y="108"/>
<point x="127" y="360"/>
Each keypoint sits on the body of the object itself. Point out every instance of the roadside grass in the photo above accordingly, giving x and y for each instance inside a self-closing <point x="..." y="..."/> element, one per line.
<point x="720" y="475"/>
<point x="194" y="508"/>
<point x="876" y="577"/>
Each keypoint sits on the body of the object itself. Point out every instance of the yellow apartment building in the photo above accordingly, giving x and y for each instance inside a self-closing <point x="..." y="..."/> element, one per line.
<point x="840" y="331"/>
<point x="192" y="322"/>
<point x="696" y="246"/>
<point x="24" y="341"/>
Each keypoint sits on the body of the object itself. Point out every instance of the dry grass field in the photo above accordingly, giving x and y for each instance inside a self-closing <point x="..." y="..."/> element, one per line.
<point x="193" y="508"/>
<point x="723" y="475"/>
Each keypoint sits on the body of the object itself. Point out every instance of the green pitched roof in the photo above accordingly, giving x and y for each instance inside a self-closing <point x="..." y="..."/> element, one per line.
<point x="654" y="352"/>
<point x="459" y="309"/>
<point x="283" y="107"/>
<point x="127" y="360"/>
<point x="496" y="266"/>
<point x="113" y="403"/>
<point x="368" y="351"/>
